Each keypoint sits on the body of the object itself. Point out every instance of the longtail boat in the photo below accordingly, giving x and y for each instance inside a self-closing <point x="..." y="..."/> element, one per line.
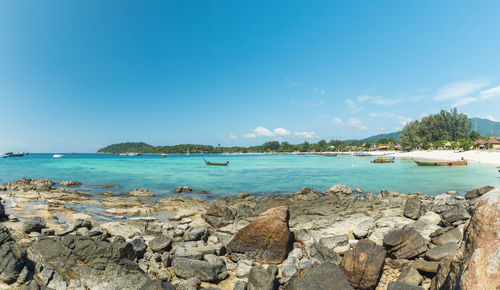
<point x="383" y="160"/>
<point x="441" y="163"/>
<point x="362" y="154"/>
<point x="330" y="155"/>
<point x="216" y="163"/>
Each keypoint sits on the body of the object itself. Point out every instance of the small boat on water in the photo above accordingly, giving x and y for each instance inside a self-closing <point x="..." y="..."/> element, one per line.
<point x="164" y="155"/>
<point x="383" y="159"/>
<point x="330" y="155"/>
<point x="3" y="156"/>
<point x="362" y="154"/>
<point x="11" y="154"/>
<point x="216" y="163"/>
<point x="441" y="163"/>
<point x="57" y="156"/>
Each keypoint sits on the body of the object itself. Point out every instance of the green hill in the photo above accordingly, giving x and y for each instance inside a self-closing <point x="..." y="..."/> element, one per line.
<point x="139" y="147"/>
<point x="486" y="127"/>
<point x="394" y="135"/>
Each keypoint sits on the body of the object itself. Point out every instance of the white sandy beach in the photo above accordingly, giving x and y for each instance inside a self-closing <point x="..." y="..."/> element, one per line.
<point x="485" y="157"/>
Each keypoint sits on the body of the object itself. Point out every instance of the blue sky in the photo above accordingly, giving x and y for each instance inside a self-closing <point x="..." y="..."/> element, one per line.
<point x="79" y="75"/>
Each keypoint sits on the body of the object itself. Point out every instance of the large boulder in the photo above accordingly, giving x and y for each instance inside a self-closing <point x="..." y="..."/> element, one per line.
<point x="324" y="276"/>
<point x="186" y="268"/>
<point x="446" y="235"/>
<point x="218" y="215"/>
<point x="477" y="264"/>
<point x="34" y="224"/>
<point x="405" y="244"/>
<point x="266" y="239"/>
<point x="439" y="252"/>
<point x="363" y="265"/>
<point x="454" y="214"/>
<point x="413" y="208"/>
<point x="94" y="263"/>
<point x="12" y="257"/>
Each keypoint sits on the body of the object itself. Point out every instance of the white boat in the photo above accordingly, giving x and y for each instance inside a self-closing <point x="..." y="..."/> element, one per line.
<point x="57" y="155"/>
<point x="3" y="156"/>
<point x="123" y="154"/>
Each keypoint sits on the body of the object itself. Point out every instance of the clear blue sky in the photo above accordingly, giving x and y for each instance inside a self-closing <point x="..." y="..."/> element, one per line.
<point x="79" y="75"/>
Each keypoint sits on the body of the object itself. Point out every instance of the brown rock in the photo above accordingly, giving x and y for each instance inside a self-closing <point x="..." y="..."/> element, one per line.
<point x="325" y="276"/>
<point x="363" y="265"/>
<point x="267" y="239"/>
<point x="478" y="192"/>
<point x="477" y="263"/>
<point x="405" y="244"/>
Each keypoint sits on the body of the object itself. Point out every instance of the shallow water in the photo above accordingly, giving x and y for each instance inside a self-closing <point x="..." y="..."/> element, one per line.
<point x="258" y="174"/>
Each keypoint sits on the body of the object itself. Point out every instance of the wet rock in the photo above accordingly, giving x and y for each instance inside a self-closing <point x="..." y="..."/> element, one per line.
<point x="160" y="244"/>
<point x="110" y="185"/>
<point x="477" y="264"/>
<point x="413" y="208"/>
<point x="405" y="244"/>
<point x="141" y="192"/>
<point x="183" y="189"/>
<point x="34" y="224"/>
<point x="446" y="235"/>
<point x="397" y="285"/>
<point x="218" y="215"/>
<point x="260" y="278"/>
<point x="454" y="214"/>
<point x="339" y="189"/>
<point x="364" y="229"/>
<point x="363" y="265"/>
<point x="320" y="276"/>
<point x="267" y="239"/>
<point x="410" y="276"/>
<point x="69" y="183"/>
<point x="478" y="192"/>
<point x="187" y="268"/>
<point x="196" y="234"/>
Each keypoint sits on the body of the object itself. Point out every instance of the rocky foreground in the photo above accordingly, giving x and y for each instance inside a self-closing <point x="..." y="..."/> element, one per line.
<point x="335" y="239"/>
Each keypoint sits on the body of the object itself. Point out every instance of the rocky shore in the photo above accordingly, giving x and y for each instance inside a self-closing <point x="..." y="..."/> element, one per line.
<point x="339" y="238"/>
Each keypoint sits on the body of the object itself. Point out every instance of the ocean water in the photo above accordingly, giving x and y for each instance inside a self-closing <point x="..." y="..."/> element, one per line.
<point x="256" y="174"/>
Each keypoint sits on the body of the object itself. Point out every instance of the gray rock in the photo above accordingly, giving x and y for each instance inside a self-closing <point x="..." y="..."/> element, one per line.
<point x="218" y="215"/>
<point x="12" y="257"/>
<point x="410" y="276"/>
<point x="449" y="235"/>
<point x="289" y="268"/>
<point x="339" y="244"/>
<point x="81" y="223"/>
<point x="160" y="244"/>
<point x="413" y="208"/>
<point x="240" y="285"/>
<point x="405" y="244"/>
<point x="166" y="259"/>
<point x="138" y="246"/>
<point x="187" y="268"/>
<point x="2" y="211"/>
<point x="324" y="276"/>
<point x="260" y="278"/>
<point x="48" y="232"/>
<point x="69" y="183"/>
<point x="478" y="192"/>
<point x="364" y="229"/>
<point x="194" y="253"/>
<point x="243" y="267"/>
<point x="196" y="234"/>
<point x="426" y="266"/>
<point x="439" y="252"/>
<point x="192" y="283"/>
<point x="157" y="285"/>
<point x="34" y="224"/>
<point x="396" y="285"/>
<point x="454" y="214"/>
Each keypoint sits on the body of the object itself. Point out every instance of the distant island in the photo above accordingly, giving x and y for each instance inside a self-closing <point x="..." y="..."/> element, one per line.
<point x="431" y="132"/>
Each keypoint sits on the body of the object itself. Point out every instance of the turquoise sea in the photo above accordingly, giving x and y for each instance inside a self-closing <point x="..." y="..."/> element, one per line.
<point x="257" y="174"/>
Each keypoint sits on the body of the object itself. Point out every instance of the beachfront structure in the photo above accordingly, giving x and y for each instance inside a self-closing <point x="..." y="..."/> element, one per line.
<point x="480" y="144"/>
<point x="492" y="142"/>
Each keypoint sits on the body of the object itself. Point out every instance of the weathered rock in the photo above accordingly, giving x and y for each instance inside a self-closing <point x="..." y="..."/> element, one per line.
<point x="477" y="264"/>
<point x="410" y="276"/>
<point x="157" y="285"/>
<point x="364" y="229"/>
<point x="187" y="268"/>
<point x="426" y="266"/>
<point x="439" y="252"/>
<point x="26" y="184"/>
<point x="405" y="244"/>
<point x="218" y="215"/>
<point x="260" y="278"/>
<point x="324" y="276"/>
<point x="2" y="211"/>
<point x="160" y="244"/>
<point x="12" y="257"/>
<point x="450" y="235"/>
<point x="240" y="285"/>
<point x="95" y="263"/>
<point x="339" y="244"/>
<point x="413" y="208"/>
<point x="339" y="189"/>
<point x="141" y="192"/>
<point x="69" y="183"/>
<point x="363" y="265"/>
<point x="243" y="267"/>
<point x="192" y="283"/>
<point x="196" y="234"/>
<point x="196" y="253"/>
<point x="397" y="285"/>
<point x="454" y="214"/>
<point x="267" y="239"/>
<point x="138" y="246"/>
<point x="478" y="192"/>
<point x="34" y="224"/>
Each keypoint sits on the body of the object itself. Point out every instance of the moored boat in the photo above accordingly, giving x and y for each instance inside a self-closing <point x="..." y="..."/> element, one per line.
<point x="330" y="155"/>
<point x="383" y="160"/>
<point x="11" y="154"/>
<point x="441" y="163"/>
<point x="216" y="163"/>
<point x="57" y="156"/>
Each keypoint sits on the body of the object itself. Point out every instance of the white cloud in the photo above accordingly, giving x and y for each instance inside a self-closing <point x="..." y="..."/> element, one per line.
<point x="403" y="120"/>
<point x="352" y="106"/>
<point x="262" y="132"/>
<point x="381" y="114"/>
<point x="384" y="102"/>
<point x="374" y="115"/>
<point x="249" y="135"/>
<point x="305" y="134"/>
<point x="464" y="101"/>
<point x="281" y="132"/>
<point x="491" y="118"/>
<point x="363" y="98"/>
<point x="459" y="89"/>
<point x="337" y="121"/>
<point x="356" y="123"/>
<point x="490" y="93"/>
<point x="232" y="136"/>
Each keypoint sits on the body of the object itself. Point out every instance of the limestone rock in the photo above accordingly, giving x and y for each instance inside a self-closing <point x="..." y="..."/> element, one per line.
<point x="363" y="265"/>
<point x="364" y="229"/>
<point x="267" y="239"/>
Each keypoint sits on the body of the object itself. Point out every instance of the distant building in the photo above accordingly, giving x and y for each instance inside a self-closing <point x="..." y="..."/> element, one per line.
<point x="494" y="142"/>
<point x="397" y="147"/>
<point x="383" y="147"/>
<point x="480" y="144"/>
